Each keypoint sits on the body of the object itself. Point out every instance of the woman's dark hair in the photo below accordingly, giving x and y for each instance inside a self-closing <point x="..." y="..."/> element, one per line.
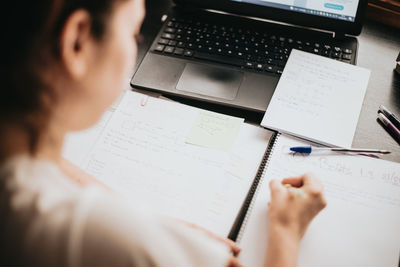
<point x="30" y="38"/>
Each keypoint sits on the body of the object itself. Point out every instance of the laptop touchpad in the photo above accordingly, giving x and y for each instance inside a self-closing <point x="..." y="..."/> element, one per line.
<point x="210" y="81"/>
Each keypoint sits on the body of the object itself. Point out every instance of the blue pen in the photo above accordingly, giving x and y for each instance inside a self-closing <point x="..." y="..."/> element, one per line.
<point x="309" y="149"/>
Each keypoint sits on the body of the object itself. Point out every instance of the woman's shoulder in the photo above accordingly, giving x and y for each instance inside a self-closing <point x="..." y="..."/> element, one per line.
<point x="39" y="208"/>
<point x="36" y="190"/>
<point x="90" y="225"/>
<point x="35" y="179"/>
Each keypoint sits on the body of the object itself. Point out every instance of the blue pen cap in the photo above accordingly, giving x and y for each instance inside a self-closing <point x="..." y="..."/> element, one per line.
<point x="302" y="149"/>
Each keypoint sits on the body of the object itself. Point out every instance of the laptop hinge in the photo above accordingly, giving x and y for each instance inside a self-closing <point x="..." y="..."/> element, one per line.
<point x="339" y="35"/>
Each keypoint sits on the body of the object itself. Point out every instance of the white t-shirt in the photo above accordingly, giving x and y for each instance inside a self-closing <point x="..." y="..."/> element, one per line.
<point x="46" y="219"/>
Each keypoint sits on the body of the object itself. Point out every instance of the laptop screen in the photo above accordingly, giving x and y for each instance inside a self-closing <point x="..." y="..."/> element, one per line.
<point x="333" y="9"/>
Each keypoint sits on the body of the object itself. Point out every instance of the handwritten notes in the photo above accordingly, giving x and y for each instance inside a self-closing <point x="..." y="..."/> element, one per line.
<point x="318" y="98"/>
<point x="142" y="153"/>
<point x="358" y="227"/>
<point x="214" y="130"/>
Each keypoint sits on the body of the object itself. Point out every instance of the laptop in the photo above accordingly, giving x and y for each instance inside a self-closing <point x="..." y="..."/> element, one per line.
<point x="232" y="52"/>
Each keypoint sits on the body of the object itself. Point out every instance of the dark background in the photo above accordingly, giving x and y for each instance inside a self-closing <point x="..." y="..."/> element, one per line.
<point x="379" y="46"/>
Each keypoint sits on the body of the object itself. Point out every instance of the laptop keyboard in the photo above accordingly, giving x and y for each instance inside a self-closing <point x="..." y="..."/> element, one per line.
<point x="240" y="47"/>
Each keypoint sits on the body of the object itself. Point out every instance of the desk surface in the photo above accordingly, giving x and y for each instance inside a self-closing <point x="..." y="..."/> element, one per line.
<point x="379" y="46"/>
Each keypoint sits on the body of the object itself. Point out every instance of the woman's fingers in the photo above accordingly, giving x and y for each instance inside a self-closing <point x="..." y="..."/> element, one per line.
<point x="277" y="189"/>
<point x="295" y="201"/>
<point x="312" y="185"/>
<point x="233" y="262"/>
<point x="234" y="248"/>
<point x="294" y="181"/>
<point x="306" y="181"/>
<point x="232" y="245"/>
<point x="309" y="184"/>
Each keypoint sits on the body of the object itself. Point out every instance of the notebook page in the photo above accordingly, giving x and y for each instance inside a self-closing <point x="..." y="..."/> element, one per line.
<point x="142" y="154"/>
<point x="359" y="226"/>
<point x="318" y="98"/>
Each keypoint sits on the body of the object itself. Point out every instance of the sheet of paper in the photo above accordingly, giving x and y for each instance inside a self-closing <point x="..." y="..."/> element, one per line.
<point x="143" y="154"/>
<point x="214" y="130"/>
<point x="359" y="226"/>
<point x="318" y="98"/>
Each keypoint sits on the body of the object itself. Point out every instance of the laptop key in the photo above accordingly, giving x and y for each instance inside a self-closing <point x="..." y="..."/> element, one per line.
<point x="249" y="65"/>
<point x="259" y="66"/>
<point x="178" y="51"/>
<point x="188" y="53"/>
<point x="347" y="51"/>
<point x="239" y="55"/>
<point x="159" y="48"/>
<point x="210" y="49"/>
<point x="270" y="68"/>
<point x="327" y="47"/>
<point x="168" y="36"/>
<point x="346" y="56"/>
<point x="326" y="53"/>
<point x="163" y="41"/>
<point x="170" y="30"/>
<point x="169" y="49"/>
<point x="337" y="49"/>
<point x="172" y="43"/>
<point x="219" y="59"/>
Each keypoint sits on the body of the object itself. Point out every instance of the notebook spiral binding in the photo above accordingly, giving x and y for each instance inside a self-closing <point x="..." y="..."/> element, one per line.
<point x="237" y="230"/>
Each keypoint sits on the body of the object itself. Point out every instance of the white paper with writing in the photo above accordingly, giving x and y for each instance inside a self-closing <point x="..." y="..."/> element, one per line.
<point x="359" y="226"/>
<point x="143" y="154"/>
<point x="318" y="98"/>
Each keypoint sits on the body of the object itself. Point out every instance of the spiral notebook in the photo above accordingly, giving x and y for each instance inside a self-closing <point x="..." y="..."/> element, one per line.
<point x="359" y="226"/>
<point x="180" y="161"/>
<point x="154" y="152"/>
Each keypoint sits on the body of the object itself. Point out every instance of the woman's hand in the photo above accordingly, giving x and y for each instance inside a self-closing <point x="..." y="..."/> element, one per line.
<point x="235" y="250"/>
<point x="294" y="203"/>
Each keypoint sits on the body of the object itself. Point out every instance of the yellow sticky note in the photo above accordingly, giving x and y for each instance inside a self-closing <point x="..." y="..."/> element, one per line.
<point x="214" y="130"/>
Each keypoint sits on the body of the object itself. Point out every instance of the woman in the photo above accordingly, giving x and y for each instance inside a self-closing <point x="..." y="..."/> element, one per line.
<point x="64" y="62"/>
